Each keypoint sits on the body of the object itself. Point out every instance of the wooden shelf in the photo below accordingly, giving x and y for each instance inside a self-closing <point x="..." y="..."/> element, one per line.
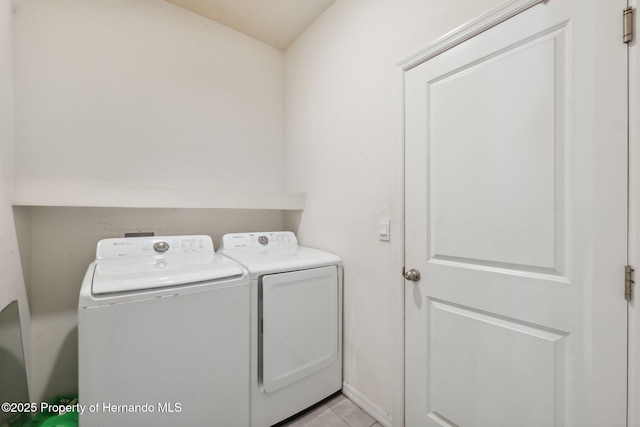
<point x="108" y="194"/>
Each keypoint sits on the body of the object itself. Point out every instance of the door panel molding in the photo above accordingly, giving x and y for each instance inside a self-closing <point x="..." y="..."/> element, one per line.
<point x="453" y="222"/>
<point x="544" y="348"/>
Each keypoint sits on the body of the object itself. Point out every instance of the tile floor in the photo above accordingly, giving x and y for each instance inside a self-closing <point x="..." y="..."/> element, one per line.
<point x="337" y="411"/>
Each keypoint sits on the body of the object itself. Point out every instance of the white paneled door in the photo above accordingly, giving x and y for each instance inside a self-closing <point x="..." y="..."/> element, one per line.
<point x="516" y="213"/>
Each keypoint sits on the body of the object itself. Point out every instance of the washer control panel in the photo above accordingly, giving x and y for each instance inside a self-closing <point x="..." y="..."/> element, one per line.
<point x="271" y="239"/>
<point x="156" y="245"/>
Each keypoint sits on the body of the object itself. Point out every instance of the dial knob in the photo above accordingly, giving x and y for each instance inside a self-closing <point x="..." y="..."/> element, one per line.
<point x="161" y="247"/>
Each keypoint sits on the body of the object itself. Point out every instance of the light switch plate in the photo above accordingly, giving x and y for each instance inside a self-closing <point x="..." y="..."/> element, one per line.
<point x="383" y="229"/>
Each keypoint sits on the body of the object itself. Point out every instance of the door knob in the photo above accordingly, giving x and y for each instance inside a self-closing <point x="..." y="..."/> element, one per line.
<point x="412" y="275"/>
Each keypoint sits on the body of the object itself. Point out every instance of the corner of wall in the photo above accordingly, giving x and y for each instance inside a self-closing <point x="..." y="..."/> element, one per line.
<point x="10" y="267"/>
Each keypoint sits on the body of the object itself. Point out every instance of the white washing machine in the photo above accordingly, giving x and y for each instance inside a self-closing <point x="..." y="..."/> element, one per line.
<point x="163" y="335"/>
<point x="296" y="323"/>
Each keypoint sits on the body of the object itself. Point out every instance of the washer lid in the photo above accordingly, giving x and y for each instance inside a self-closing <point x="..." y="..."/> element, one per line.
<point x="138" y="273"/>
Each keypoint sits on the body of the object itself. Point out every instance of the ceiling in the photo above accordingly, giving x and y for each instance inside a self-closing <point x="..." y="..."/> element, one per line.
<point x="275" y="22"/>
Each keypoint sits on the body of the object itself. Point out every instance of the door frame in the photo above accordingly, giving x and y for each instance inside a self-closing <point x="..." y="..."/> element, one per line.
<point x="449" y="40"/>
<point x="633" y="343"/>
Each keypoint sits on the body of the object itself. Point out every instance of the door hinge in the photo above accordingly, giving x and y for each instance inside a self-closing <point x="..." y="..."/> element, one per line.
<point x="629" y="282"/>
<point x="627" y="25"/>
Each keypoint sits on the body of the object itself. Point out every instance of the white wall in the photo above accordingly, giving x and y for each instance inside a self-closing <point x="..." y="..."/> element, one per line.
<point x="11" y="280"/>
<point x="7" y="128"/>
<point x="144" y="91"/>
<point x="136" y="92"/>
<point x="341" y="146"/>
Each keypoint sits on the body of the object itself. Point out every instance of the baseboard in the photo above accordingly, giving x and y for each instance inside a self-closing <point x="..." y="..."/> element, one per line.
<point x="366" y="405"/>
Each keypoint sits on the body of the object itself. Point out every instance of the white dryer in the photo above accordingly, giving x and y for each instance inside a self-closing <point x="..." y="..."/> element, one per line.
<point x="296" y="322"/>
<point x="163" y="335"/>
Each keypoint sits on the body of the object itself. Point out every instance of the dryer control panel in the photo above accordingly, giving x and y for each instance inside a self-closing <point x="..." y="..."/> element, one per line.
<point x="272" y="239"/>
<point x="155" y="245"/>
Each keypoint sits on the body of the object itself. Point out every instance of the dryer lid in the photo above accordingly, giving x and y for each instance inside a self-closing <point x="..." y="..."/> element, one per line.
<point x="140" y="273"/>
<point x="270" y="252"/>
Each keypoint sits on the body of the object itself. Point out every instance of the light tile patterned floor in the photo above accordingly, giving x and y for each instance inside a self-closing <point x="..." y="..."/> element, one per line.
<point x="337" y="411"/>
